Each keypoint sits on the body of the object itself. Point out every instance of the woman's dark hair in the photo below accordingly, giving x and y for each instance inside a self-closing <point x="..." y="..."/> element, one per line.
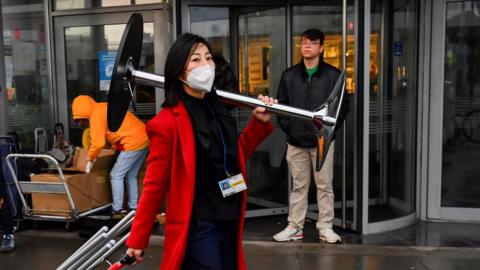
<point x="177" y="58"/>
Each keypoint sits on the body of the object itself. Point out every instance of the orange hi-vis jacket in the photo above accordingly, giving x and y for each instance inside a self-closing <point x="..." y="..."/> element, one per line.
<point x="130" y="136"/>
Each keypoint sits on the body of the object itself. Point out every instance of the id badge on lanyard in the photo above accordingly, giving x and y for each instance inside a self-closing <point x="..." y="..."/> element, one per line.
<point x="232" y="185"/>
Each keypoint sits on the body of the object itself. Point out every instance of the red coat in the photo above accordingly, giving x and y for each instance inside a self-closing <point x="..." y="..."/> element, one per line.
<point x="171" y="172"/>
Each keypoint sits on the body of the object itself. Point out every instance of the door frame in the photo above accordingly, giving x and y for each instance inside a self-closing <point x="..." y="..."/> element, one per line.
<point x="435" y="145"/>
<point x="3" y="90"/>
<point x="158" y="14"/>
<point x="246" y="6"/>
<point x="236" y="10"/>
<point x="271" y="208"/>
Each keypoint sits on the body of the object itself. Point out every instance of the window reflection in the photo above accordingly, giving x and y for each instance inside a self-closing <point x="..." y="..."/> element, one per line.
<point x="330" y="25"/>
<point x="393" y="110"/>
<point x="261" y="61"/>
<point x="90" y="51"/>
<point x="26" y="71"/>
<point x="261" y="57"/>
<point x="212" y="23"/>
<point x="461" y="111"/>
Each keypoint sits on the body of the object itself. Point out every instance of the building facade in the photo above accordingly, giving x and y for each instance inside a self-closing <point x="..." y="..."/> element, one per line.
<point x="406" y="151"/>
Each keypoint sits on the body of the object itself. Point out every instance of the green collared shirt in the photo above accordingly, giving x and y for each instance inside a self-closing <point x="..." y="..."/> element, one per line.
<point x="310" y="71"/>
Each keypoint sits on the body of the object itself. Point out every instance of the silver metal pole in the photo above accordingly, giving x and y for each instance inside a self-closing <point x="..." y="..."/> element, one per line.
<point x="344" y="141"/>
<point x="97" y="254"/>
<point x="125" y="227"/>
<point x="246" y="65"/>
<point x="82" y="248"/>
<point x="277" y="108"/>
<point x="109" y="252"/>
<point x="87" y="254"/>
<point x="88" y="250"/>
<point x="147" y="78"/>
<point x="128" y="219"/>
<point x="319" y="117"/>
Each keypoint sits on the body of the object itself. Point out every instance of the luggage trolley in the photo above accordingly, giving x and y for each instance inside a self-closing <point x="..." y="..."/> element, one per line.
<point x="28" y="187"/>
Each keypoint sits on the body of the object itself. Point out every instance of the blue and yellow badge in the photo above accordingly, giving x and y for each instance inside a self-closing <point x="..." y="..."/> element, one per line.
<point x="232" y="185"/>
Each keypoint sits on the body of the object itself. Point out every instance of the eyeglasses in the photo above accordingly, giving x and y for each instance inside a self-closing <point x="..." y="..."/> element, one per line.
<point x="309" y="42"/>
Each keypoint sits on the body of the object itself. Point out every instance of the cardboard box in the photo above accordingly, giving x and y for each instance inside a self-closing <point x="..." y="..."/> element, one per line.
<point x="88" y="190"/>
<point x="80" y="160"/>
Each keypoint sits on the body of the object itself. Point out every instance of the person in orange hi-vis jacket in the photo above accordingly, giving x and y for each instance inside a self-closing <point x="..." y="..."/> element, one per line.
<point x="131" y="140"/>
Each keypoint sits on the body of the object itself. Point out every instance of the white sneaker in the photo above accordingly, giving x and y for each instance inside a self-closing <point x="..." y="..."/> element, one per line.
<point x="290" y="233"/>
<point x="329" y="236"/>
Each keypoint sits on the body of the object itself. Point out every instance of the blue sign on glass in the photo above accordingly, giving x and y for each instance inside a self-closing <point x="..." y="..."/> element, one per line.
<point x="106" y="61"/>
<point x="398" y="48"/>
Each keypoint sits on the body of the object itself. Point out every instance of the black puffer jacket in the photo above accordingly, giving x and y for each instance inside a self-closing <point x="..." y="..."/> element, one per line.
<point x="299" y="91"/>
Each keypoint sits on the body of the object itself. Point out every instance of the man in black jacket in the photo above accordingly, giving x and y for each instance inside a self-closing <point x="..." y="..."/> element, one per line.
<point x="307" y="85"/>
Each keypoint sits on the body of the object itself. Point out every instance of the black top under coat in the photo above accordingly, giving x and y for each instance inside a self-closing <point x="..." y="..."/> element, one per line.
<point x="208" y="115"/>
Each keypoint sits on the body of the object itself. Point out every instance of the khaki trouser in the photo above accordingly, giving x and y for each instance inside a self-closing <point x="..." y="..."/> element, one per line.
<point x="301" y="161"/>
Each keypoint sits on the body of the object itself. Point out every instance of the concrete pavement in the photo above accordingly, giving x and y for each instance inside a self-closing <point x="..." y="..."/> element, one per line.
<point x="47" y="249"/>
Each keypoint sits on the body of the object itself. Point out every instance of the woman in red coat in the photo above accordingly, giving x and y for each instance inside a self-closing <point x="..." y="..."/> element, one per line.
<point x="197" y="160"/>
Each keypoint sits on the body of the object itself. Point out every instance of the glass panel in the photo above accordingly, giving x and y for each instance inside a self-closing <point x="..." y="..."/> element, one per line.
<point x="461" y="113"/>
<point x="212" y="23"/>
<point x="90" y="53"/>
<point x="26" y="70"/>
<point x="262" y="45"/>
<point x="83" y="4"/>
<point x="393" y="110"/>
<point x="305" y="17"/>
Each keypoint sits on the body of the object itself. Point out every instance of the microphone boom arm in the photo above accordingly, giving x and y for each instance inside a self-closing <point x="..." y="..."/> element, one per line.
<point x="319" y="117"/>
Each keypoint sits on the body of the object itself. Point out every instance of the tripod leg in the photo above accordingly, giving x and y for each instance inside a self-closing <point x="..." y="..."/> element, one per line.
<point x="109" y="252"/>
<point x="97" y="255"/>
<point x="68" y="261"/>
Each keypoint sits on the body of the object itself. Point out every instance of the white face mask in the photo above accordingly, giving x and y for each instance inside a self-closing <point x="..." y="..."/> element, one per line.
<point x="201" y="78"/>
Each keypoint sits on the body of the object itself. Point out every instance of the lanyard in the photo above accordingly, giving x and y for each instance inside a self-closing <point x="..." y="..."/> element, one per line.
<point x="223" y="141"/>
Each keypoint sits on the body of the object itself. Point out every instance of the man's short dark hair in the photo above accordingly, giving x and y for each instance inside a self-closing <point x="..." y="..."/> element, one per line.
<point x="314" y="34"/>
